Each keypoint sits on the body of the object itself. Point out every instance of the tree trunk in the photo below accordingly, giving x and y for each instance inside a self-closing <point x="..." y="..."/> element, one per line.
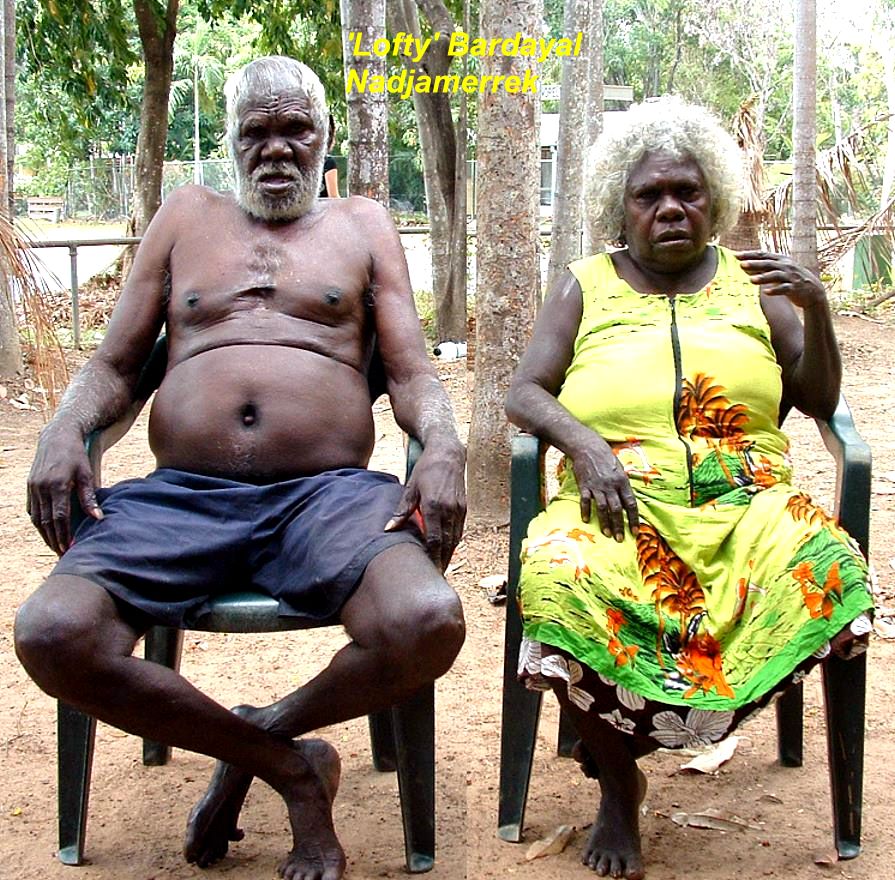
<point x="804" y="180"/>
<point x="594" y="109"/>
<point x="565" y="241"/>
<point x="746" y="235"/>
<point x="888" y="58"/>
<point x="10" y="349"/>
<point x="367" y="112"/>
<point x="508" y="282"/>
<point x="9" y="64"/>
<point x="157" y="39"/>
<point x="442" y="151"/>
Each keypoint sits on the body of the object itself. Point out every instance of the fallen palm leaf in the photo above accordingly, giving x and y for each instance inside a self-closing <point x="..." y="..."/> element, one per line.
<point x="553" y="844"/>
<point x="709" y="762"/>
<point x="495" y="586"/>
<point x="713" y="820"/>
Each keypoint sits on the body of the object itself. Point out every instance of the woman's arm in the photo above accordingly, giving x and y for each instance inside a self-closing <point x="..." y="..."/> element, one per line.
<point x="809" y="354"/>
<point x="532" y="405"/>
<point x="331" y="179"/>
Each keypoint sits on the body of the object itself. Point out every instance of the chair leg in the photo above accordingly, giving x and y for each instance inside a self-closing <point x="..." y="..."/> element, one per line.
<point x="382" y="741"/>
<point x="844" y="693"/>
<point x="163" y="646"/>
<point x="789" y="727"/>
<point x="414" y="726"/>
<point x="75" y="737"/>
<point x="567" y="736"/>
<point x="518" y="734"/>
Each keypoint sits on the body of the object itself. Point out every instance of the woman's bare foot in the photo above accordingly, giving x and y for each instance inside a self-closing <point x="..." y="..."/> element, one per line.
<point x="316" y="852"/>
<point x="613" y="848"/>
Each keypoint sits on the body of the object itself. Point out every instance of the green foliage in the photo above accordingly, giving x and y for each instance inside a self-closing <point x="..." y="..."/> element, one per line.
<point x="309" y="31"/>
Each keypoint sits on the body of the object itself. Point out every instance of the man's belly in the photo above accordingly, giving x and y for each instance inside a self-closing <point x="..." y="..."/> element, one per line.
<point x="261" y="412"/>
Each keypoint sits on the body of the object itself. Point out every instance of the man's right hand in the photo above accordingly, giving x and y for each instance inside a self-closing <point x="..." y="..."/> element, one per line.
<point x="603" y="483"/>
<point x="60" y="467"/>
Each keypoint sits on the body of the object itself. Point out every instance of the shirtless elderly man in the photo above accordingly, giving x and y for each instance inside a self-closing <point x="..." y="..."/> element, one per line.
<point x="262" y="430"/>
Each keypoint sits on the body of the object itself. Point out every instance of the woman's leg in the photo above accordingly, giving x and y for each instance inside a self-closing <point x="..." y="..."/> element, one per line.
<point x="613" y="848"/>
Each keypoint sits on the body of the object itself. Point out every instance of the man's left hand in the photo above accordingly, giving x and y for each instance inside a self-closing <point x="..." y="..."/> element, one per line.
<point x="437" y="490"/>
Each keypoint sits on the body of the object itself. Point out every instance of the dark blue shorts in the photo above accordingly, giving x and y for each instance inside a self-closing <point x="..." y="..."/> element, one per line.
<point x="171" y="541"/>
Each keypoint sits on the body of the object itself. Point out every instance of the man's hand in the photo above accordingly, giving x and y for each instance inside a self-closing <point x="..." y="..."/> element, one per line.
<point x="603" y="483"/>
<point x="60" y="466"/>
<point x="778" y="275"/>
<point x="437" y="490"/>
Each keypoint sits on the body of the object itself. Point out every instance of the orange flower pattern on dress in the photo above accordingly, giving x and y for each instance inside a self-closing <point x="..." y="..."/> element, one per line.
<point x="801" y="507"/>
<point x="564" y="549"/>
<point x="700" y="662"/>
<point x="705" y="411"/>
<point x="623" y="654"/>
<point x="818" y="599"/>
<point x="633" y="458"/>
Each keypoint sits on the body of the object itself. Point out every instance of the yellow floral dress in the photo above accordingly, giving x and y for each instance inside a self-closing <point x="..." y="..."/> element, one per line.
<point x="735" y="579"/>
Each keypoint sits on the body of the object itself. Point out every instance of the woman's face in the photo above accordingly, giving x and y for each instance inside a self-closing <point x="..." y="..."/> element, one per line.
<point x="668" y="213"/>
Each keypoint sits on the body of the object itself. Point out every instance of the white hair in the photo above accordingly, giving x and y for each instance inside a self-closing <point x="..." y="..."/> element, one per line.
<point x="273" y="75"/>
<point x="666" y="125"/>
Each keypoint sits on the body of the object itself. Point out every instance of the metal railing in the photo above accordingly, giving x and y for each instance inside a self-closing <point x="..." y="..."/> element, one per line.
<point x="74" y="243"/>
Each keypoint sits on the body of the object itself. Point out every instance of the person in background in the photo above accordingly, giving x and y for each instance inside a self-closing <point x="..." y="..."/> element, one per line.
<point x="329" y="185"/>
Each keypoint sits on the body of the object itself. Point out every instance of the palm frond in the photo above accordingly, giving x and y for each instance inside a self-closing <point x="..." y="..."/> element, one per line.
<point x="33" y="313"/>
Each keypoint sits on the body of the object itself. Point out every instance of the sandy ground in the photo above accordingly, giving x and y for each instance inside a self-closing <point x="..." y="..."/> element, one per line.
<point x="137" y="813"/>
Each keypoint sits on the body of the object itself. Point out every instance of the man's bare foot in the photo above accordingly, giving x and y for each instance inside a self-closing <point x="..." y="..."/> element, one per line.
<point x="316" y="852"/>
<point x="613" y="849"/>
<point x="212" y="822"/>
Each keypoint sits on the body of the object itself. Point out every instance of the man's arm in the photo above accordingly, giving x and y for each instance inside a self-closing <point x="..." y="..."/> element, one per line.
<point x="420" y="403"/>
<point x="103" y="390"/>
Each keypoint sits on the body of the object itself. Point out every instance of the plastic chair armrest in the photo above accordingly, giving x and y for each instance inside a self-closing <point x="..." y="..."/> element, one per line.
<point x="853" y="473"/>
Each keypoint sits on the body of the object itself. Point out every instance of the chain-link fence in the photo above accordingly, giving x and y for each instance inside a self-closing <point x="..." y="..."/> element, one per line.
<point x="103" y="189"/>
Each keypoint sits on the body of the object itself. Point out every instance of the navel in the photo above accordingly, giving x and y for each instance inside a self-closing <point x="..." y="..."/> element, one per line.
<point x="192" y="300"/>
<point x="249" y="415"/>
<point x="333" y="296"/>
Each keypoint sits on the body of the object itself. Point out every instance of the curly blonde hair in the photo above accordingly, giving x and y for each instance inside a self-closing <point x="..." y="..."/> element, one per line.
<point x="667" y="125"/>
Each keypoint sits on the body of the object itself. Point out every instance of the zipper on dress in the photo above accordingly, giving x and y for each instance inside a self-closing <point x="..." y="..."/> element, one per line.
<point x="678" y="394"/>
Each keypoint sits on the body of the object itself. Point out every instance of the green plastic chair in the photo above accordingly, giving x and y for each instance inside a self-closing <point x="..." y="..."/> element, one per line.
<point x="843" y="680"/>
<point x="402" y="738"/>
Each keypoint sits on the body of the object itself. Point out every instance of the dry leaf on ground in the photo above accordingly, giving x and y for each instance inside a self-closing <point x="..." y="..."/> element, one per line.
<point x="710" y="761"/>
<point x="555" y="842"/>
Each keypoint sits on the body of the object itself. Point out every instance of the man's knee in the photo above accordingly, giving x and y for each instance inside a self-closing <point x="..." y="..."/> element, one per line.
<point x="58" y="639"/>
<point x="432" y="634"/>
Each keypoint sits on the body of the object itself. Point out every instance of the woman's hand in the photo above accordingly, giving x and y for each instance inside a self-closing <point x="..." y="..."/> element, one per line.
<point x="603" y="483"/>
<point x="778" y="275"/>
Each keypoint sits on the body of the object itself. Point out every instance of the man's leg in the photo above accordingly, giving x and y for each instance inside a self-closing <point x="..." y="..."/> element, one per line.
<point x="406" y="626"/>
<point x="72" y="640"/>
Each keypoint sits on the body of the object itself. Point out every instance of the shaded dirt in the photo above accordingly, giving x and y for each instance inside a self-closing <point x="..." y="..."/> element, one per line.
<point x="137" y="813"/>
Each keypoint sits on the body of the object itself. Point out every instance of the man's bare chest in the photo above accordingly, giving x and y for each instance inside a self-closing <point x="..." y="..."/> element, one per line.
<point x="304" y="278"/>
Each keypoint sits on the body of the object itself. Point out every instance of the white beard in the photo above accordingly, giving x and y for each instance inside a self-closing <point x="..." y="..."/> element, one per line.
<point x="290" y="206"/>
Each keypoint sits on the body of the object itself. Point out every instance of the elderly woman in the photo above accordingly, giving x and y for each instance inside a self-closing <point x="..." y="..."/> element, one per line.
<point x="677" y="580"/>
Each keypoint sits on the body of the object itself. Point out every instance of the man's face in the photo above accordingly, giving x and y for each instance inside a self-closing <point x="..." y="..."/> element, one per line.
<point x="278" y="156"/>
